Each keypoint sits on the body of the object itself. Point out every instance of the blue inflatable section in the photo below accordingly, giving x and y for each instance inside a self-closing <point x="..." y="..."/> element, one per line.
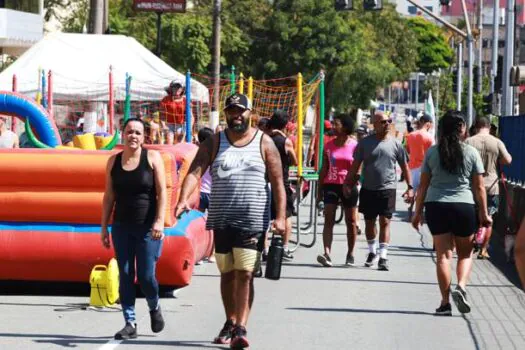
<point x="17" y="105"/>
<point x="179" y="229"/>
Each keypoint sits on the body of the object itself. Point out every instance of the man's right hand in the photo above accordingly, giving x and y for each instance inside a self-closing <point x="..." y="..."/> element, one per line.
<point x="104" y="237"/>
<point x="279" y="226"/>
<point x="181" y="207"/>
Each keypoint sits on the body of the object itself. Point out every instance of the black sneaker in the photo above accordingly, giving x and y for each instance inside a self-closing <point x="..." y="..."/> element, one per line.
<point x="382" y="265"/>
<point x="444" y="310"/>
<point x="371" y="259"/>
<point x="324" y="260"/>
<point x="128" y="332"/>
<point x="459" y="295"/>
<point x="157" y="321"/>
<point x="225" y="335"/>
<point x="287" y="255"/>
<point x="350" y="260"/>
<point x="239" y="340"/>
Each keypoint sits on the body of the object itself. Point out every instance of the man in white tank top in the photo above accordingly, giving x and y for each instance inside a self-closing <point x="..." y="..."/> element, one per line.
<point x="241" y="160"/>
<point x="8" y="139"/>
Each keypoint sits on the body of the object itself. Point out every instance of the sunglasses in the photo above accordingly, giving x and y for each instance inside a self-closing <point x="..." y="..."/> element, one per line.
<point x="385" y="122"/>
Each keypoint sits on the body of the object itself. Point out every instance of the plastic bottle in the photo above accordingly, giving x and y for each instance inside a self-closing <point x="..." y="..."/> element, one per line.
<point x="275" y="259"/>
<point x="480" y="238"/>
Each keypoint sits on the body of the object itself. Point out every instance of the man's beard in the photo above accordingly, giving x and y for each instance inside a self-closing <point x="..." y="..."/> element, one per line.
<point x="240" y="128"/>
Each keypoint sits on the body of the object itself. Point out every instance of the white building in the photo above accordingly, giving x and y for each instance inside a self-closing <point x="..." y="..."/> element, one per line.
<point x="21" y="25"/>
<point x="407" y="9"/>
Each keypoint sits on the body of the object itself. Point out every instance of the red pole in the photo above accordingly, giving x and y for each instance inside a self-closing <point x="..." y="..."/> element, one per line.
<point x="50" y="94"/>
<point x="14" y="119"/>
<point x="111" y="102"/>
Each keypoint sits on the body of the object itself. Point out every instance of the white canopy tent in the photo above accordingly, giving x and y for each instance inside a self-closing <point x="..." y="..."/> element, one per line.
<point x="80" y="65"/>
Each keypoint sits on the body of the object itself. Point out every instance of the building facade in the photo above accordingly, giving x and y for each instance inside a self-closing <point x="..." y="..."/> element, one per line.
<point x="21" y="25"/>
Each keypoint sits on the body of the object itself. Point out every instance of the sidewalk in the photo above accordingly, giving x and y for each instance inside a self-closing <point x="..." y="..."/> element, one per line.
<point x="311" y="307"/>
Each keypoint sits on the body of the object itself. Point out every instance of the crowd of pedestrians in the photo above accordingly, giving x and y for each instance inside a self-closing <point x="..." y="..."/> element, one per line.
<point x="244" y="169"/>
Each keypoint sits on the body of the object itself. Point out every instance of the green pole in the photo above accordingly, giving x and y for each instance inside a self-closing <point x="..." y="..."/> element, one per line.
<point x="232" y="80"/>
<point x="320" y="145"/>
<point x="127" y="103"/>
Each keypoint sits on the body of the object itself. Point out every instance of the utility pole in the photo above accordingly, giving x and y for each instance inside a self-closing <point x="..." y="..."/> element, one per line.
<point x="158" y="48"/>
<point x="470" y="48"/>
<point x="96" y="16"/>
<point x="495" y="41"/>
<point x="507" y="107"/>
<point x="214" y="117"/>
<point x="480" y="54"/>
<point x="105" y="23"/>
<point x="459" y="82"/>
<point x="417" y="90"/>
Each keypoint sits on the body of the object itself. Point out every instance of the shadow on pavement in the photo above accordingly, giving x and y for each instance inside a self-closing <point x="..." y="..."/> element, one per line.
<point x="73" y="340"/>
<point x="365" y="311"/>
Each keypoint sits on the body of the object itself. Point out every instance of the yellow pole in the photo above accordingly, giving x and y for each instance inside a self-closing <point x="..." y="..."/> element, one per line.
<point x="250" y="89"/>
<point x="300" y="125"/>
<point x="241" y="83"/>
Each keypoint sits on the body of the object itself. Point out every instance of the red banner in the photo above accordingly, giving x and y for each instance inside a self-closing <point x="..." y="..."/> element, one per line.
<point x="160" y="5"/>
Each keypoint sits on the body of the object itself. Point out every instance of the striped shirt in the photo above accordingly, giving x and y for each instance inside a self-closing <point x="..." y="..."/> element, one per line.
<point x="239" y="192"/>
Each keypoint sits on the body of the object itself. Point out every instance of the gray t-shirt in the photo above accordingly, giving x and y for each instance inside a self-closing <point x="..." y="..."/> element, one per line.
<point x="447" y="187"/>
<point x="379" y="159"/>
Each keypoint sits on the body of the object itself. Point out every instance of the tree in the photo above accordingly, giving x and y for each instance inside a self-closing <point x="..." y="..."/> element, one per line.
<point x="433" y="51"/>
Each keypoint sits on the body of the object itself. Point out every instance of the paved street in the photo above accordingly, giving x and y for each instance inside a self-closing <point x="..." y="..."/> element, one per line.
<point x="309" y="308"/>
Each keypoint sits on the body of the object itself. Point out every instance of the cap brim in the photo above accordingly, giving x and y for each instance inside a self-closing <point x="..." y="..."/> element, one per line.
<point x="236" y="105"/>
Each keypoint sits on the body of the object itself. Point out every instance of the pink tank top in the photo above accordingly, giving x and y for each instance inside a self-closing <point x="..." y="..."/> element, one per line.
<point x="340" y="160"/>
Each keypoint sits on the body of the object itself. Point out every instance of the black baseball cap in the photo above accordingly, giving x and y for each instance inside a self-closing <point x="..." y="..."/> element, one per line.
<point x="238" y="100"/>
<point x="425" y="118"/>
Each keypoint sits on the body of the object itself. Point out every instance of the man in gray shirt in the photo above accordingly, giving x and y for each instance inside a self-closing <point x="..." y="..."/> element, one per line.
<point x="378" y="153"/>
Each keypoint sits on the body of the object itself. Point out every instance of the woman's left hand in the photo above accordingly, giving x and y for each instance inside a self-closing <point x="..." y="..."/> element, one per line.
<point x="157" y="231"/>
<point x="485" y="219"/>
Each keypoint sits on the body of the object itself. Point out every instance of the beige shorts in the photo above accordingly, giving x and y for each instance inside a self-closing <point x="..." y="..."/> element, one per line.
<point x="237" y="249"/>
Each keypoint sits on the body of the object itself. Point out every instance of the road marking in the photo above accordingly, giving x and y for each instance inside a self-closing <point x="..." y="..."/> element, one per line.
<point x="110" y="345"/>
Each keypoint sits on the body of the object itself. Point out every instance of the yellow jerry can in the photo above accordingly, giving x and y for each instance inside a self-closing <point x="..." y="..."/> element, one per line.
<point x="104" y="281"/>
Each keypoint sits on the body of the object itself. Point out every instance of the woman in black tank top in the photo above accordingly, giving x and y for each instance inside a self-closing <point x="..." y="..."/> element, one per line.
<point x="136" y="195"/>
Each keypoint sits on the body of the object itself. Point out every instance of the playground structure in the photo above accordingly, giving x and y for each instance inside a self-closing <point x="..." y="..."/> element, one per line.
<point x="186" y="237"/>
<point x="50" y="207"/>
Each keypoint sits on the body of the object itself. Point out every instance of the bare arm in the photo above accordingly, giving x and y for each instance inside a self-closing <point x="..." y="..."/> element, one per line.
<point x="353" y="174"/>
<point x="288" y="146"/>
<point x="198" y="167"/>
<point x="108" y="201"/>
<point x="504" y="156"/>
<point x="160" y="185"/>
<point x="275" y="173"/>
<point x="478" y="187"/>
<point x="322" y="175"/>
<point x="422" y="192"/>
<point x="407" y="174"/>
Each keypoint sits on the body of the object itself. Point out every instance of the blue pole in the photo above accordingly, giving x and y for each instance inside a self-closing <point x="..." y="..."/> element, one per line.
<point x="44" y="89"/>
<point x="188" y="107"/>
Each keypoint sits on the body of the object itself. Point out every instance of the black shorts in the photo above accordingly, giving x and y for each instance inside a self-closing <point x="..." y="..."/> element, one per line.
<point x="333" y="194"/>
<point x="231" y="237"/>
<point x="377" y="203"/>
<point x="289" y="204"/>
<point x="460" y="219"/>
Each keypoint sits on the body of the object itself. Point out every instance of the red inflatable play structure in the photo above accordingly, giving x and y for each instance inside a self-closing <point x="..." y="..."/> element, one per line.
<point x="50" y="210"/>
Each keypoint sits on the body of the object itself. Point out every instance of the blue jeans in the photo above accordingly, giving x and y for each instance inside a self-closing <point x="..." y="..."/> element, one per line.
<point x="132" y="242"/>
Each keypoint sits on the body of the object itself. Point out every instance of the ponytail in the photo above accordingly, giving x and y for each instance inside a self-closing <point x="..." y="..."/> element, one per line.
<point x="449" y="145"/>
